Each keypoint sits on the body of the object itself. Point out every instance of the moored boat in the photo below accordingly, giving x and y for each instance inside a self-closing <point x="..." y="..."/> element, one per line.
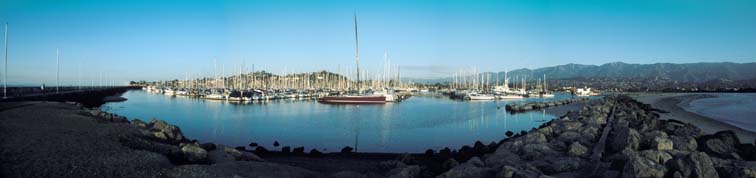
<point x="362" y="99"/>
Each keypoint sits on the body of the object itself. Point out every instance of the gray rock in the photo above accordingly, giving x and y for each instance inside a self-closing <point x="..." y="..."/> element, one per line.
<point x="139" y="123"/>
<point x="569" y="136"/>
<point x="536" y="151"/>
<point x="405" y="172"/>
<point x="546" y="131"/>
<point x="557" y="165"/>
<point x="158" y="124"/>
<point x="475" y="161"/>
<point x="224" y="153"/>
<point x="660" y="143"/>
<point x="623" y="137"/>
<point x="576" y="149"/>
<point x="506" y="172"/>
<point x="685" y="143"/>
<point x="502" y="157"/>
<point x="193" y="153"/>
<point x="696" y="164"/>
<point x="534" y="137"/>
<point x="721" y="144"/>
<point x="648" y="137"/>
<point x="594" y="119"/>
<point x="468" y="171"/>
<point x="660" y="157"/>
<point x="642" y="167"/>
<point x="166" y="132"/>
<point x="568" y="126"/>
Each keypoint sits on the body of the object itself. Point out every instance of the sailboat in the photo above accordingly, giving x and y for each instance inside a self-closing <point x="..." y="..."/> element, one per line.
<point x="355" y="99"/>
<point x="504" y="92"/>
<point x="546" y="93"/>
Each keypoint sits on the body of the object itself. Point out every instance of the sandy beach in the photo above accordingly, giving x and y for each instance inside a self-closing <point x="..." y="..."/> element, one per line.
<point x="672" y="102"/>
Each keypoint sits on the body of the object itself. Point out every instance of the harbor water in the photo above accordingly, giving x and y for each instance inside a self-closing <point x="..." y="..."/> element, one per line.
<point x="414" y="125"/>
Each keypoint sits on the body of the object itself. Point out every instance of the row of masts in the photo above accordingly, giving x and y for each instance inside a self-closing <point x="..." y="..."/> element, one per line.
<point x="240" y="78"/>
<point x="472" y="80"/>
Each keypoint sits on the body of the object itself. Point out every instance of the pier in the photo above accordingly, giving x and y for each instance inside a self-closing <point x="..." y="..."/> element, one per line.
<point x="89" y="97"/>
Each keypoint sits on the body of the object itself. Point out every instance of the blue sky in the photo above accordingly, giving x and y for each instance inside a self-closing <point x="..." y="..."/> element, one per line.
<point x="158" y="40"/>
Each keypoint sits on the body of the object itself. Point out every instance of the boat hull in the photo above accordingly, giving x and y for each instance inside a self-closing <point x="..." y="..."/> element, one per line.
<point x="353" y="99"/>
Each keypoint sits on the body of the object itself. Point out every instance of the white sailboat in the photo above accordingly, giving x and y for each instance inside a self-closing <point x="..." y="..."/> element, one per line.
<point x="478" y="96"/>
<point x="504" y="92"/>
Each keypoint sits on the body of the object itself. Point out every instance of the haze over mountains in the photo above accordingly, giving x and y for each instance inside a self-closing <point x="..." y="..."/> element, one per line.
<point x="688" y="72"/>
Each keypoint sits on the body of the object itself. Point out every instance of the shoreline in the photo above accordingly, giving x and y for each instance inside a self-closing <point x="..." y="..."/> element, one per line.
<point x="673" y="104"/>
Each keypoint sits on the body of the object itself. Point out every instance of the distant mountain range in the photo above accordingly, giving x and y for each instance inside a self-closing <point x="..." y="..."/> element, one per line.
<point x="689" y="72"/>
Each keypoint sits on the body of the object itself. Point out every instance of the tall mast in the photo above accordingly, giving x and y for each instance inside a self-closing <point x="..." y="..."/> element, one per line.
<point x="57" y="75"/>
<point x="357" y="51"/>
<point x="5" y="77"/>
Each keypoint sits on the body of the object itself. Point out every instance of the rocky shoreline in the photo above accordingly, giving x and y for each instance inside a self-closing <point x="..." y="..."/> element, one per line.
<point x="611" y="137"/>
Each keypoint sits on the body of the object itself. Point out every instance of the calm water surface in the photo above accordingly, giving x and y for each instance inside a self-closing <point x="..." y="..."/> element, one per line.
<point x="737" y="109"/>
<point x="413" y="125"/>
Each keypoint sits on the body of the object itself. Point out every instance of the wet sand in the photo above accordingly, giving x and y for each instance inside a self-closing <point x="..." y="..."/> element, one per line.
<point x="672" y="102"/>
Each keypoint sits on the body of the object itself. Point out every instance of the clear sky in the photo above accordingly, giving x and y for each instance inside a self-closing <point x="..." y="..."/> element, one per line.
<point x="158" y="40"/>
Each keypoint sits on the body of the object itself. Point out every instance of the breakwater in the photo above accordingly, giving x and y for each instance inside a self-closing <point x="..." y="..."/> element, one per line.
<point x="522" y="107"/>
<point x="93" y="97"/>
<point x="614" y="137"/>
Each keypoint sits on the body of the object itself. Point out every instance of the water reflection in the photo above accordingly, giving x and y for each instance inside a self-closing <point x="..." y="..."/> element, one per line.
<point x="414" y="125"/>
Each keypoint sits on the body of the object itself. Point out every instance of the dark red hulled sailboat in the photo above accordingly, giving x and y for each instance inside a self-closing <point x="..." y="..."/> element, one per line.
<point x="355" y="99"/>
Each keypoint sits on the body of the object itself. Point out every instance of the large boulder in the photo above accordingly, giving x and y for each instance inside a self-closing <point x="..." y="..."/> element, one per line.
<point x="473" y="168"/>
<point x="679" y="128"/>
<point x="696" y="164"/>
<point x="405" y="172"/>
<point x="576" y="149"/>
<point x="623" y="137"/>
<point x="560" y="164"/>
<point x="660" y="143"/>
<point x="648" y="137"/>
<point x="224" y="153"/>
<point x="193" y="153"/>
<point x="658" y="156"/>
<point x="643" y="167"/>
<point x="502" y="157"/>
<point x="546" y="131"/>
<point x="139" y="123"/>
<point x="569" y="136"/>
<point x="721" y="144"/>
<point x="536" y="151"/>
<point x="595" y="118"/>
<point x="589" y="135"/>
<point x="685" y="143"/>
<point x="166" y="132"/>
<point x="534" y="137"/>
<point x="568" y="126"/>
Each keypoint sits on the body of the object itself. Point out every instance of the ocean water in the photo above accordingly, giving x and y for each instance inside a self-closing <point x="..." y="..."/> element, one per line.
<point x="737" y="109"/>
<point x="414" y="125"/>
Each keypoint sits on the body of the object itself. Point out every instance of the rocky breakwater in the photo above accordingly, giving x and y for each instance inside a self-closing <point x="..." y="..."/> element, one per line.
<point x="614" y="137"/>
